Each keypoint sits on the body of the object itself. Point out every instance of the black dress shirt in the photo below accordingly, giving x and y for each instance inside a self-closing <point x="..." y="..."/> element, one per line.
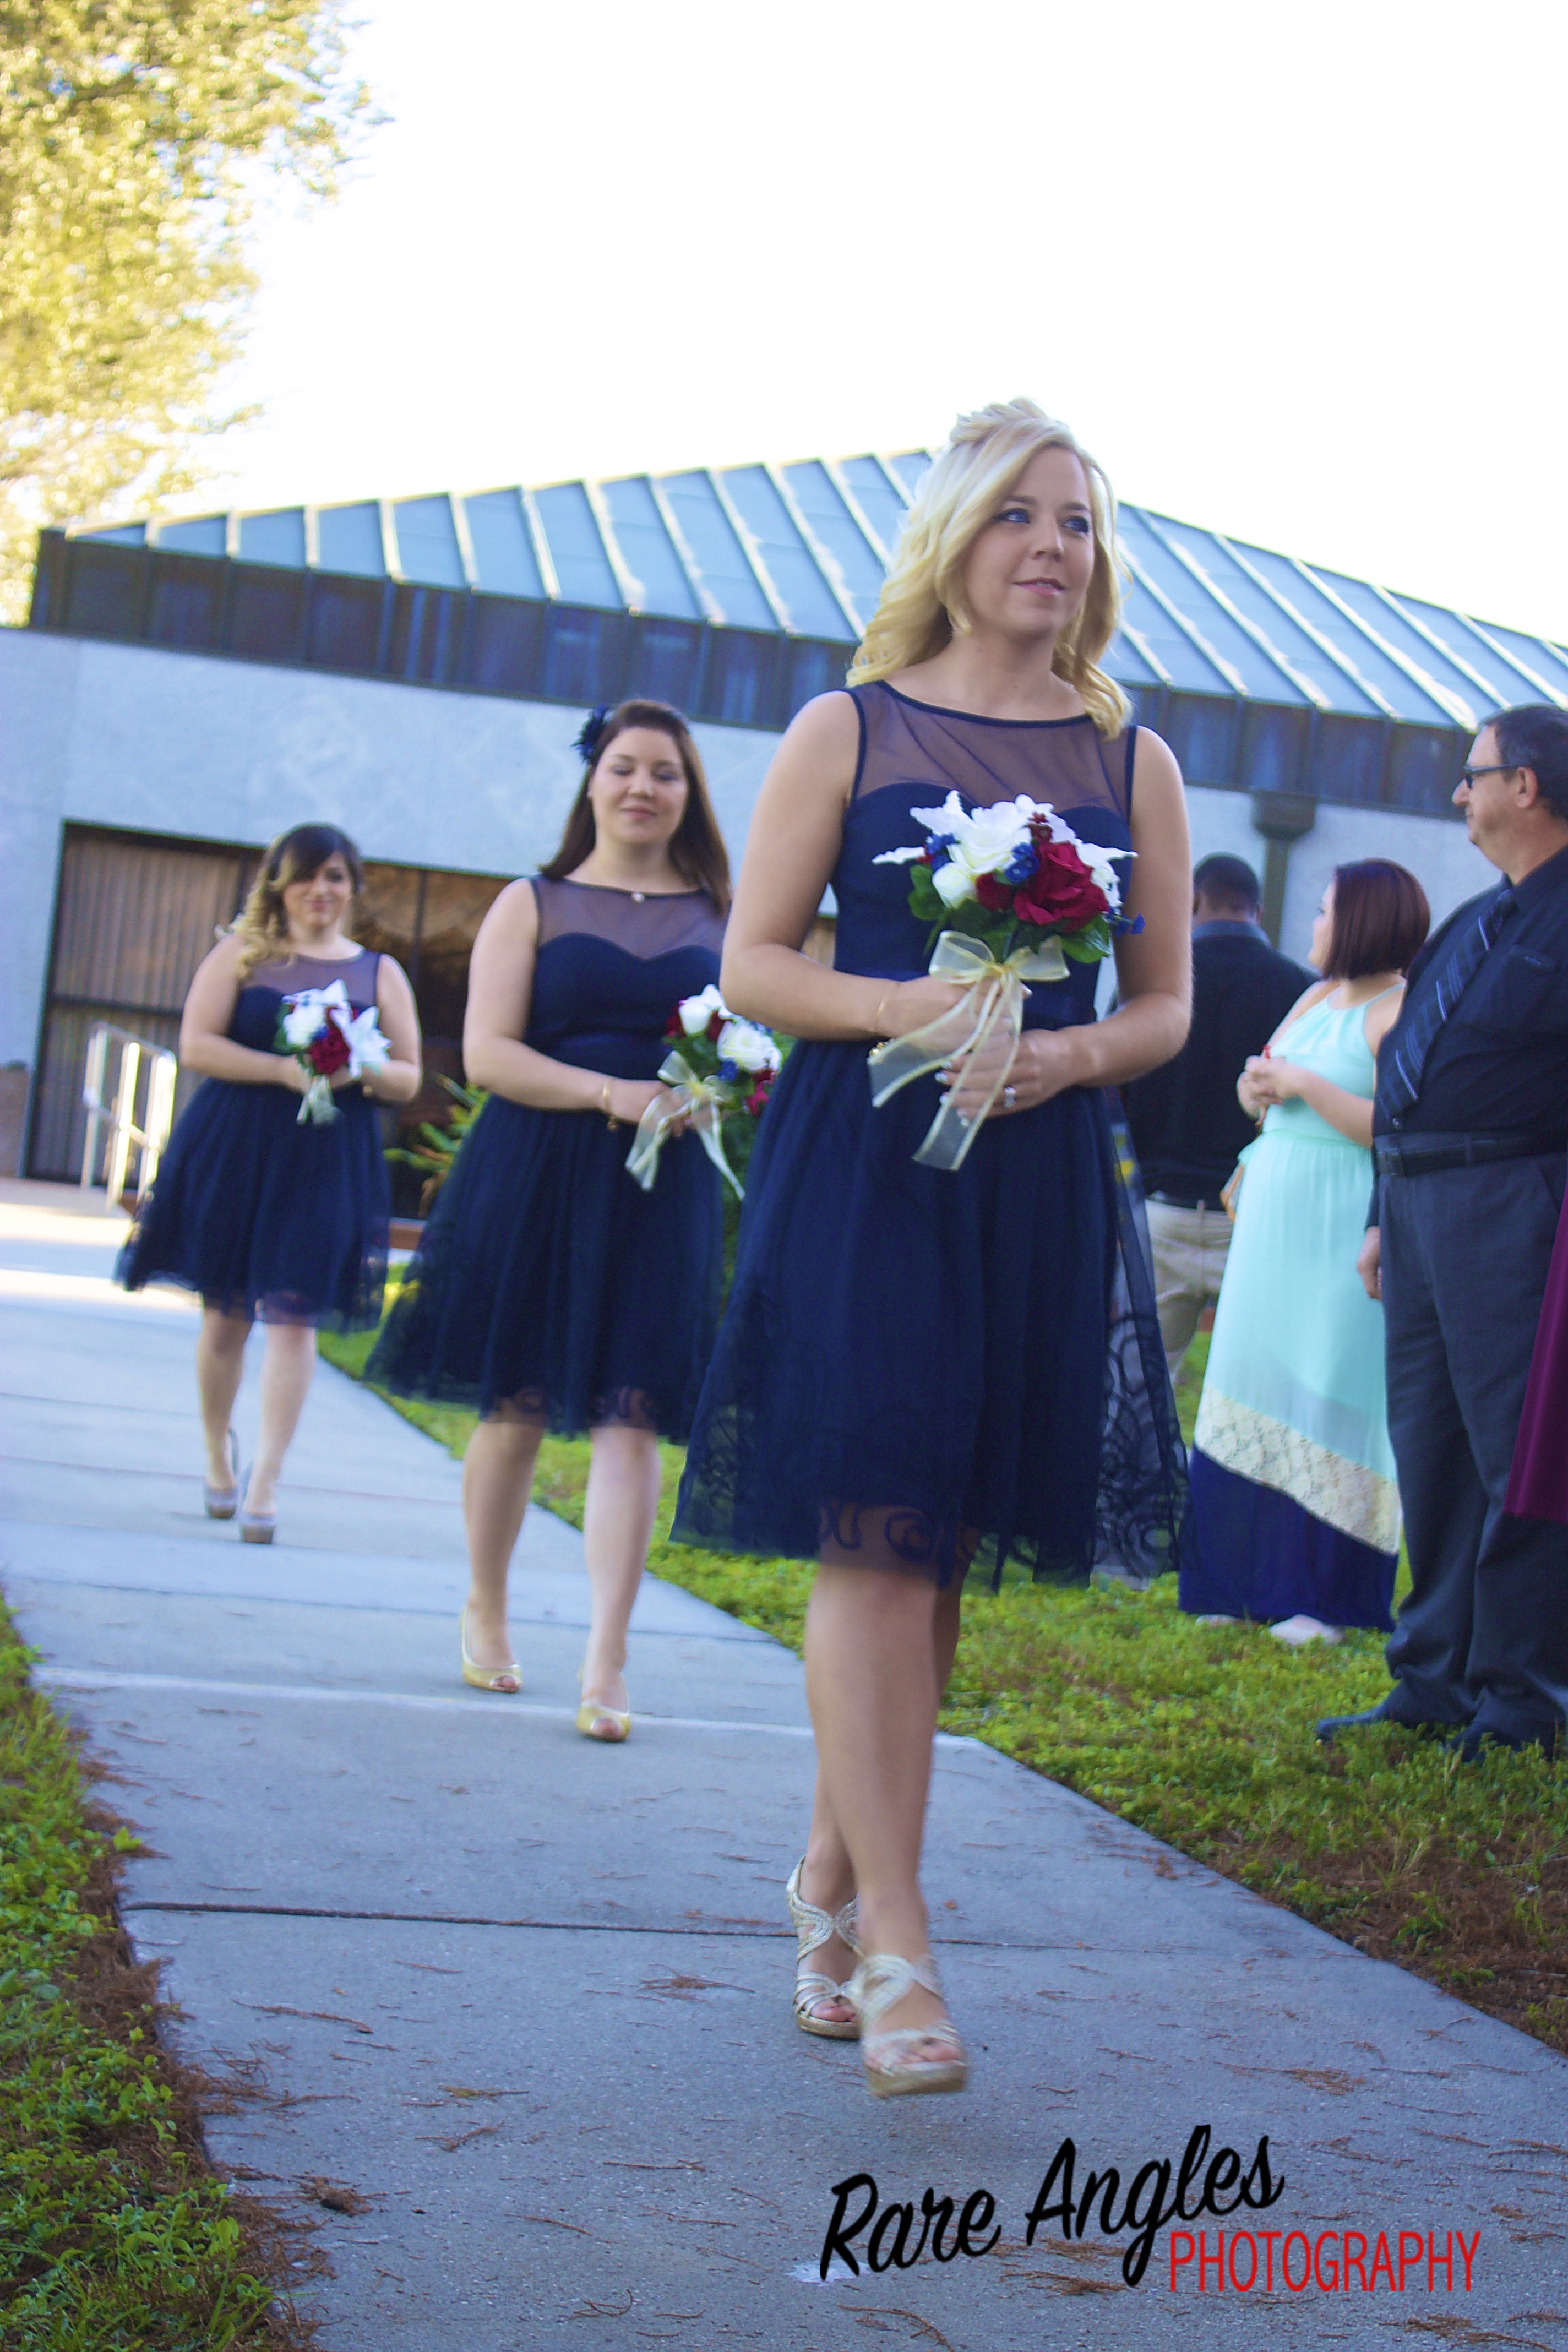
<point x="1499" y="1065"/>
<point x="1187" y="1125"/>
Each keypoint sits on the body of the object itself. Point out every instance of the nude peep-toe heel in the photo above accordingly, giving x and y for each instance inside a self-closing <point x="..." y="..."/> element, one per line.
<point x="221" y="1502"/>
<point x="595" y="1712"/>
<point x="814" y="1927"/>
<point x="488" y="1678"/>
<point x="893" y="2068"/>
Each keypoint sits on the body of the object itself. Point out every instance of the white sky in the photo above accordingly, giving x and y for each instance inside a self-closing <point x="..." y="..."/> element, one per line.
<point x="1292" y="272"/>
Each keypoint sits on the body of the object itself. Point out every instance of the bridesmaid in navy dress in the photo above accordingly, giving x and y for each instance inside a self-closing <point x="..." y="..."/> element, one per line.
<point x="265" y="1218"/>
<point x="549" y="1290"/>
<point x="918" y="1366"/>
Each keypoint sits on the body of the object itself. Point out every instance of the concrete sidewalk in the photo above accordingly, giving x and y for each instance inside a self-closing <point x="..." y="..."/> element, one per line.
<point x="528" y="1997"/>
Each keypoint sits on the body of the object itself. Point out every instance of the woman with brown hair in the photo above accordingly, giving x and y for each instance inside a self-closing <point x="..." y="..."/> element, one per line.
<point x="268" y="1216"/>
<point x="1295" y="1511"/>
<point x="550" y="1290"/>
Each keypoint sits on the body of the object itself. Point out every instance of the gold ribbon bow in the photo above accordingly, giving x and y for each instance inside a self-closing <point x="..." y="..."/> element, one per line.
<point x="704" y="1100"/>
<point x="992" y="998"/>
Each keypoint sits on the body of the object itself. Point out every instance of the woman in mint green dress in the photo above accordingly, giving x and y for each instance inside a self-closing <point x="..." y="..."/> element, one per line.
<point x="1295" y="1513"/>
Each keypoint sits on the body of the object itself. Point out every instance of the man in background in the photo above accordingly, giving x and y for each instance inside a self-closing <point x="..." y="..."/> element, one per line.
<point x="1187" y="1126"/>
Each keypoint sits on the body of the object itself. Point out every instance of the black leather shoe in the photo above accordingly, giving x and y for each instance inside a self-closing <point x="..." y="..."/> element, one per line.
<point x="1470" y="1745"/>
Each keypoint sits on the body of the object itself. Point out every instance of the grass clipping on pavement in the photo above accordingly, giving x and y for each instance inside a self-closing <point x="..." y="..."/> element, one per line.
<point x="1202" y="1736"/>
<point x="113" y="2230"/>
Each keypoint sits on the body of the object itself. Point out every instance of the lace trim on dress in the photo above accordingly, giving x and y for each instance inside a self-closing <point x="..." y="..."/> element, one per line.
<point x="1346" y="1496"/>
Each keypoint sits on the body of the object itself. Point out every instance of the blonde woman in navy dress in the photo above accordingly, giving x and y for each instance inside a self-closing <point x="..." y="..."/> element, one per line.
<point x="916" y="1364"/>
<point x="550" y="1291"/>
<point x="269" y="1220"/>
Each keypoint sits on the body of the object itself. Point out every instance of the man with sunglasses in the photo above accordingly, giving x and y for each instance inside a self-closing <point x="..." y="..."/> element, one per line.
<point x="1470" y="1150"/>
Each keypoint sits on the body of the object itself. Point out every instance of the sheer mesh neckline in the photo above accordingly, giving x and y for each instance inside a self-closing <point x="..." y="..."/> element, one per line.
<point x="920" y="746"/>
<point x="297" y="963"/>
<point x="644" y="923"/>
<point x="622" y="889"/>
<point x="945" y="710"/>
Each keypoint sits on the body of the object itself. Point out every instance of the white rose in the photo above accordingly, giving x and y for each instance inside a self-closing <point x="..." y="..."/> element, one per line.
<point x="697" y="1012"/>
<point x="955" y="886"/>
<point x="749" y="1047"/>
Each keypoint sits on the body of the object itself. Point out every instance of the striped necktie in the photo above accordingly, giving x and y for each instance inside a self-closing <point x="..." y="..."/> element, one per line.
<point x="1465" y="959"/>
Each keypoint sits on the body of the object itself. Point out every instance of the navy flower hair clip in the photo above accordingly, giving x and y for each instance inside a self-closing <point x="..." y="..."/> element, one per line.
<point x="592" y="734"/>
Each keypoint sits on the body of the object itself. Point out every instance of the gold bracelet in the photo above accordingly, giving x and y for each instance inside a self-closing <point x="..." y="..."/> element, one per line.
<point x="611" y="1122"/>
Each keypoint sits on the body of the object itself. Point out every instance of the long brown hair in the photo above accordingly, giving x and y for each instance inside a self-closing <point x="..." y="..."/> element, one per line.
<point x="262" y="927"/>
<point x="697" y="849"/>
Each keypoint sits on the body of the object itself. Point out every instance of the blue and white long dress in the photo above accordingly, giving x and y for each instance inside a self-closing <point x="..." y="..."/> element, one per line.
<point x="1294" y="1506"/>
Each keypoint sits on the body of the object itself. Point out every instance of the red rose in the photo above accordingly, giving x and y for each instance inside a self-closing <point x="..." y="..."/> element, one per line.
<point x="757" y="1098"/>
<point x="993" y="892"/>
<point x="1061" y="891"/>
<point x="329" y="1050"/>
<point x="673" y="1027"/>
<point x="716" y="1026"/>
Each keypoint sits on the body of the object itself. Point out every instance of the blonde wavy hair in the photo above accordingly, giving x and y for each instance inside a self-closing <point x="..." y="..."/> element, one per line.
<point x="922" y="606"/>
<point x="261" y="926"/>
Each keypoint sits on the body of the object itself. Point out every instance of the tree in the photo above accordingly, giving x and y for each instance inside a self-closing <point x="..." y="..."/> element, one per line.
<point x="134" y="138"/>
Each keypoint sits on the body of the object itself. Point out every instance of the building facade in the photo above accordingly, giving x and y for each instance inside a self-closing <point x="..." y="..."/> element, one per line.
<point x="416" y="672"/>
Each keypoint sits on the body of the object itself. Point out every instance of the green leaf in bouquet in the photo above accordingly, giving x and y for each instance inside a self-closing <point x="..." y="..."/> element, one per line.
<point x="1090" y="945"/>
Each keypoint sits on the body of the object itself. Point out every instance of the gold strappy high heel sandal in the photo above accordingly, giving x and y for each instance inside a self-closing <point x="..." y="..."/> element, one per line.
<point x="893" y="2069"/>
<point x="814" y="1927"/>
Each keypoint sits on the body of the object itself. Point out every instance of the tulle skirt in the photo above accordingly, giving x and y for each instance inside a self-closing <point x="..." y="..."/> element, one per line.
<point x="547" y="1281"/>
<point x="266" y="1217"/>
<point x="915" y="1364"/>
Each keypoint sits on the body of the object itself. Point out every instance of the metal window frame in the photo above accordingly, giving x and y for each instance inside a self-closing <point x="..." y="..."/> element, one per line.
<point x="456" y="501"/>
<point x="1315" y="697"/>
<point x="1554" y="694"/>
<point x="827" y="562"/>
<point x="632" y="588"/>
<point x="533" y="523"/>
<point x="1325" y="645"/>
<point x="1188" y="628"/>
<point x="1444" y="696"/>
<point x="1141" y="644"/>
<point x="750" y="548"/>
<point x="708" y="604"/>
<point x="833" y="469"/>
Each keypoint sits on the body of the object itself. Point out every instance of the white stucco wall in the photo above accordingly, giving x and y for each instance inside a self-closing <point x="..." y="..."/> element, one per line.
<point x="94" y="733"/>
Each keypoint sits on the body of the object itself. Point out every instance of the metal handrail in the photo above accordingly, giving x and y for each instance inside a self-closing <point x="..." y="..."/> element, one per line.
<point x="123" y="1132"/>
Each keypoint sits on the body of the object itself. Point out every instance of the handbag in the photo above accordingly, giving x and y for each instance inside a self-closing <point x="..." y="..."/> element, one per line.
<point x="1230" y="1190"/>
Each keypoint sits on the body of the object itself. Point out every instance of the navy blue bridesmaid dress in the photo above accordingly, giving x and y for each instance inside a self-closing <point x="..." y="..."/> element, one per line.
<point x="915" y="1362"/>
<point x="260" y="1215"/>
<point x="546" y="1279"/>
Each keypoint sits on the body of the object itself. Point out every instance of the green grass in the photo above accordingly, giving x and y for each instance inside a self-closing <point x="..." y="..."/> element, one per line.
<point x="113" y="2232"/>
<point x="1203" y="1736"/>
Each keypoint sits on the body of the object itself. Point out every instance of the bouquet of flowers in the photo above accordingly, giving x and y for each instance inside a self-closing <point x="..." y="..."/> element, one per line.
<point x="719" y="1067"/>
<point x="324" y="1035"/>
<point x="1012" y="893"/>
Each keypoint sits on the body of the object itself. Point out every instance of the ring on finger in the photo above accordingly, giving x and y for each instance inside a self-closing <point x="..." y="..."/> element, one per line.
<point x="1009" y="1097"/>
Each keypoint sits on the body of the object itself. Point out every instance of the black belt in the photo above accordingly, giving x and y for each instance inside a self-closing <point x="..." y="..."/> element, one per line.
<point x="1424" y="1155"/>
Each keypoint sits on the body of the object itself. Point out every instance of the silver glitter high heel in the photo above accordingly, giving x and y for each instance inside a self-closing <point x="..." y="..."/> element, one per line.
<point x="814" y="1927"/>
